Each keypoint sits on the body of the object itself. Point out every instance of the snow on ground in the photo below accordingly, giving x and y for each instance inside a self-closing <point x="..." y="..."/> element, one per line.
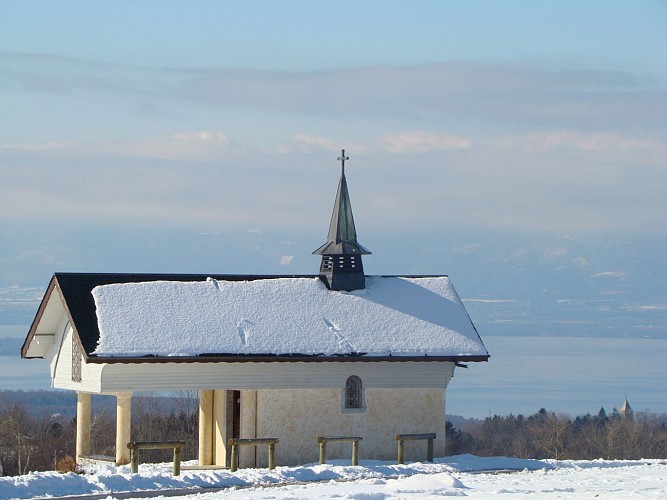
<point x="463" y="475"/>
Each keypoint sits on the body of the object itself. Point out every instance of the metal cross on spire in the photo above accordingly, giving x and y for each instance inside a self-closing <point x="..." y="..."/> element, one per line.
<point x="342" y="159"/>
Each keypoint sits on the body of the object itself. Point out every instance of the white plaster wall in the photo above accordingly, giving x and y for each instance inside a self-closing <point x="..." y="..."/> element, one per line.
<point x="297" y="417"/>
<point x="61" y="363"/>
<point x="61" y="368"/>
<point x="272" y="375"/>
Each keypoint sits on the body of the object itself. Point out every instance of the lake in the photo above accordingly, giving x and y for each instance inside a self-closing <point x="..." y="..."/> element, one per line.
<point x="563" y="374"/>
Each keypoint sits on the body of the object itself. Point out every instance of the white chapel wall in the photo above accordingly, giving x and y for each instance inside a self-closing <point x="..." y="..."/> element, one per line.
<point x="272" y="375"/>
<point x="61" y="367"/>
<point x="298" y="416"/>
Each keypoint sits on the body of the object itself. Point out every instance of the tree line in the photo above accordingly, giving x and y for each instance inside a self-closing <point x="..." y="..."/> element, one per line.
<point x="39" y="442"/>
<point x="44" y="441"/>
<point x="557" y="436"/>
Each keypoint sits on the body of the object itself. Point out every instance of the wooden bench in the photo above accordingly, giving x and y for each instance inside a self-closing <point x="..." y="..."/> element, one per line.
<point x="429" y="436"/>
<point x="95" y="459"/>
<point x="135" y="446"/>
<point x="323" y="440"/>
<point x="236" y="442"/>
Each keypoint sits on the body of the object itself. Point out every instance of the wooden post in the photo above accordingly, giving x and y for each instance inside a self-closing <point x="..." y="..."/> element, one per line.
<point x="426" y="436"/>
<point x="355" y="446"/>
<point x="323" y="452"/>
<point x="134" y="460"/>
<point x="177" y="461"/>
<point x="234" y="443"/>
<point x="135" y="446"/>
<point x="235" y="458"/>
<point x="272" y="456"/>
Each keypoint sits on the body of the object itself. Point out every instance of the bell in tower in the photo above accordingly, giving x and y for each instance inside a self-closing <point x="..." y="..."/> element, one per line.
<point x="342" y="268"/>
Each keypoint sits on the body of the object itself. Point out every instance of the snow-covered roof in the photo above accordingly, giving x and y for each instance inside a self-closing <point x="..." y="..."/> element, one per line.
<point x="393" y="316"/>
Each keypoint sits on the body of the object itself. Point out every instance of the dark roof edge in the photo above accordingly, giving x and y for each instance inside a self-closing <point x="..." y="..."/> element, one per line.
<point x="38" y="316"/>
<point x="203" y="276"/>
<point x="286" y="358"/>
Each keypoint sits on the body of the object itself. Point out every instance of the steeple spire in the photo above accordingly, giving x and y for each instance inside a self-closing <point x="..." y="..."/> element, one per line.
<point x="626" y="411"/>
<point x="341" y="254"/>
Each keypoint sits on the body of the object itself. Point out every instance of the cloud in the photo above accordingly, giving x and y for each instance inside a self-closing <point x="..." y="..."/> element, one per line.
<point x="493" y="96"/>
<point x="646" y="307"/>
<point x="610" y="274"/>
<point x="607" y="145"/>
<point x="445" y="145"/>
<point x="305" y="143"/>
<point x="468" y="248"/>
<point x="490" y="301"/>
<point x="421" y="141"/>
<point x="309" y="142"/>
<point x="200" y="137"/>
<point x="489" y="94"/>
<point x="555" y="252"/>
<point x="254" y="230"/>
<point x="580" y="261"/>
<point x="44" y="146"/>
<point x="403" y="143"/>
<point x="286" y="260"/>
<point x="202" y="145"/>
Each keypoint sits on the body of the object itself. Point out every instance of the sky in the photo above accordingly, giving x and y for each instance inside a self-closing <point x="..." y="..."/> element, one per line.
<point x="519" y="147"/>
<point x="518" y="115"/>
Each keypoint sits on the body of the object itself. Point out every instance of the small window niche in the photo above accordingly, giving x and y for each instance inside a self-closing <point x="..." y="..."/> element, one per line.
<point x="353" y="395"/>
<point x="77" y="356"/>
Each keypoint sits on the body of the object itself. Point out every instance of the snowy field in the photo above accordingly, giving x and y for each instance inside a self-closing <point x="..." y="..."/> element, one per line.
<point x="464" y="476"/>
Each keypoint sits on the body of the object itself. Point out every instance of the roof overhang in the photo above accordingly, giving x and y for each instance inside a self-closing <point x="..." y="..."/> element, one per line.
<point x="43" y="329"/>
<point x="283" y="358"/>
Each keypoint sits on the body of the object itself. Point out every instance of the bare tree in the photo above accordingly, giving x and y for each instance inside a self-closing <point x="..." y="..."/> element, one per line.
<point x="17" y="438"/>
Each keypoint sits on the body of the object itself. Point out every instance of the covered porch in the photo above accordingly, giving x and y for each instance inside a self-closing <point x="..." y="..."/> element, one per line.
<point x="219" y="421"/>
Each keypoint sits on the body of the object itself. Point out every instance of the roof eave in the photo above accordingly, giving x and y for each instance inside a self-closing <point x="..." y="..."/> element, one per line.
<point x="53" y="285"/>
<point x="281" y="358"/>
<point x="37" y="319"/>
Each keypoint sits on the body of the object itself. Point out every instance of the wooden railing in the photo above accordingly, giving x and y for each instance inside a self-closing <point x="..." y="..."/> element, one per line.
<point x="323" y="440"/>
<point x="236" y="442"/>
<point x="429" y="436"/>
<point x="135" y="446"/>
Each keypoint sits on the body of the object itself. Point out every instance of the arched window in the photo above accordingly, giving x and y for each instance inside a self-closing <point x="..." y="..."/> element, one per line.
<point x="353" y="392"/>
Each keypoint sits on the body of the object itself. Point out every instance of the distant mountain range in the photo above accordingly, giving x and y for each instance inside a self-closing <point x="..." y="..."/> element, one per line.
<point x="609" y="285"/>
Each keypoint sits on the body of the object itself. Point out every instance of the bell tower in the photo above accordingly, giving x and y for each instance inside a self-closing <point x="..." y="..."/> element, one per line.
<point x="342" y="268"/>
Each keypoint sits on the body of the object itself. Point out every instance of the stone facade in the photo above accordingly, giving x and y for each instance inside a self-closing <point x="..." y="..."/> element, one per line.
<point x="298" y="416"/>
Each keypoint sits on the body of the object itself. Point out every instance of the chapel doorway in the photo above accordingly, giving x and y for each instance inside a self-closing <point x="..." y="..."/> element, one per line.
<point x="236" y="414"/>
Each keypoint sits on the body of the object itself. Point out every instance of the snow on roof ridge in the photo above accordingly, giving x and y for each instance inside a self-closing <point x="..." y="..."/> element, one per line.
<point x="394" y="316"/>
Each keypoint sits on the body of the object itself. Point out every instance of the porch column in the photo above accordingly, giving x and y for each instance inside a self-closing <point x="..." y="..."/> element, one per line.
<point x="251" y="456"/>
<point x="222" y="426"/>
<point x="82" y="424"/>
<point x="123" y="422"/>
<point x="206" y="427"/>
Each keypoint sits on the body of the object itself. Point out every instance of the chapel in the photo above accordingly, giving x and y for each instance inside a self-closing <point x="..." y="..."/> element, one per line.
<point x="333" y="353"/>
